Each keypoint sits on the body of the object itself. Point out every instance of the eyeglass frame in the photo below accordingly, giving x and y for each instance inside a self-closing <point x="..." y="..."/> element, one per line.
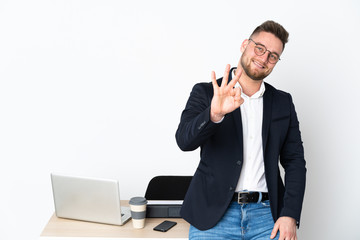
<point x="266" y="50"/>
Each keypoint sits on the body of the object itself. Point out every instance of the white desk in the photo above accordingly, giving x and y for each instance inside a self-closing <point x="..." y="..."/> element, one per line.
<point x="66" y="229"/>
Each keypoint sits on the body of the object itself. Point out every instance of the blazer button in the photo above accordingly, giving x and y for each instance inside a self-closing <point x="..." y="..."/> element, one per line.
<point x="238" y="162"/>
<point x="231" y="188"/>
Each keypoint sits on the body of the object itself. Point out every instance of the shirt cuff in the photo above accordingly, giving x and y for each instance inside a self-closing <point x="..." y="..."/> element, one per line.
<point x="220" y="120"/>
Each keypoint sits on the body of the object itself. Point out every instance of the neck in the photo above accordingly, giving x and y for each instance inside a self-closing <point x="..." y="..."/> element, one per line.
<point x="248" y="85"/>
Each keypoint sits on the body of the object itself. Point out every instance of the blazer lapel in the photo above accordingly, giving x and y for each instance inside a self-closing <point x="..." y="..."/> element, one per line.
<point x="237" y="117"/>
<point x="267" y="110"/>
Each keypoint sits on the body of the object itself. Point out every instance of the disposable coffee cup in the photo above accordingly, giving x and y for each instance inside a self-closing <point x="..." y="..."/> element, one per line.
<point x="138" y="211"/>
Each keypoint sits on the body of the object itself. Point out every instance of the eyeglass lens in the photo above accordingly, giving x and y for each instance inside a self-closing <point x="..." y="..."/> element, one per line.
<point x="261" y="50"/>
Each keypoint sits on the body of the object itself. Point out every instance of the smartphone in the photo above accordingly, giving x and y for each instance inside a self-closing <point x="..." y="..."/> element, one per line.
<point x="164" y="226"/>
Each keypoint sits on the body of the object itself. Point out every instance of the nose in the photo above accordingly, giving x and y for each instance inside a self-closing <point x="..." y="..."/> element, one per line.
<point x="265" y="56"/>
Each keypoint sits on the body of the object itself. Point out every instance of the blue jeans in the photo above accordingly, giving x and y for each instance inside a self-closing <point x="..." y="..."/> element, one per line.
<point x="252" y="221"/>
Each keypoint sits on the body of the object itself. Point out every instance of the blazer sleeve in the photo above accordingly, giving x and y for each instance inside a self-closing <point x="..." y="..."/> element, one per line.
<point x="195" y="126"/>
<point x="293" y="161"/>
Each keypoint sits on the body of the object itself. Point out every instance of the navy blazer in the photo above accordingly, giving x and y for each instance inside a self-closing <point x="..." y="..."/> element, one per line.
<point x="218" y="172"/>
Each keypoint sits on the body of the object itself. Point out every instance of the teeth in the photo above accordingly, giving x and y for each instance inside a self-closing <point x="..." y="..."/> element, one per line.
<point x="259" y="65"/>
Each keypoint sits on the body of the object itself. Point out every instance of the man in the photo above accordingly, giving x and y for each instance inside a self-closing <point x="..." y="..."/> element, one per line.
<point x="244" y="127"/>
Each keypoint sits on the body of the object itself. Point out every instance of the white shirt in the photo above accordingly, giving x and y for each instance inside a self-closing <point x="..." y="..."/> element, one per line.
<point x="252" y="176"/>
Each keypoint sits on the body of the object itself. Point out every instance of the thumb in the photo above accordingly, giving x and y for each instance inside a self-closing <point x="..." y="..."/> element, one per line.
<point x="274" y="231"/>
<point x="238" y="99"/>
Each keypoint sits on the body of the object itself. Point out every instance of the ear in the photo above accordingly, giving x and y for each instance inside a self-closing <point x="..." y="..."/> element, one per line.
<point x="244" y="45"/>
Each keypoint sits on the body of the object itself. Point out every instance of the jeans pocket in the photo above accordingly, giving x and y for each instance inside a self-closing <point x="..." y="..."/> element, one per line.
<point x="266" y="203"/>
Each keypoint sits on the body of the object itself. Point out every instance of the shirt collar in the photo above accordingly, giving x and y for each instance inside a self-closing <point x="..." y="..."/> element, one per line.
<point x="258" y="94"/>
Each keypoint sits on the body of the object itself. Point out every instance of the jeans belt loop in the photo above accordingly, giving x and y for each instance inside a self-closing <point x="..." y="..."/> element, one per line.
<point x="260" y="197"/>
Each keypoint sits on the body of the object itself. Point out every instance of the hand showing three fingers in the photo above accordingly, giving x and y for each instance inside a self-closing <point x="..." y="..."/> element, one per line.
<point x="226" y="98"/>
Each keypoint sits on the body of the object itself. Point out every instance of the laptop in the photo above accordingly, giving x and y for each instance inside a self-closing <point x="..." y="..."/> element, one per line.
<point x="88" y="199"/>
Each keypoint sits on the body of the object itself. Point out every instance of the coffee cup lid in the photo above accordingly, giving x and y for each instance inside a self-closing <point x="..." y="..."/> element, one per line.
<point x="138" y="201"/>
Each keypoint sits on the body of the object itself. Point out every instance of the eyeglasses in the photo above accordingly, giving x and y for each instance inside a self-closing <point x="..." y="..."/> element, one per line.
<point x="260" y="50"/>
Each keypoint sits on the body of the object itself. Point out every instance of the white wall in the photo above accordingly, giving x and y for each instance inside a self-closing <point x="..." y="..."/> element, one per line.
<point x="96" y="88"/>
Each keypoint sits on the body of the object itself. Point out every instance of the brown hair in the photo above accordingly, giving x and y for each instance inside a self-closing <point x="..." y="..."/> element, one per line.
<point x="274" y="28"/>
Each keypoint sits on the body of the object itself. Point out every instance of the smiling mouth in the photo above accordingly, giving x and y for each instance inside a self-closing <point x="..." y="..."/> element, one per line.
<point x="258" y="64"/>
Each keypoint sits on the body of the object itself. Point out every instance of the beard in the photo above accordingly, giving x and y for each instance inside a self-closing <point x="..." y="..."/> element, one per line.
<point x="254" y="75"/>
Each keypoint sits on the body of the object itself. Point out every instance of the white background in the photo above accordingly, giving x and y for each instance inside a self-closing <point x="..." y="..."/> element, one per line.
<point x="96" y="88"/>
